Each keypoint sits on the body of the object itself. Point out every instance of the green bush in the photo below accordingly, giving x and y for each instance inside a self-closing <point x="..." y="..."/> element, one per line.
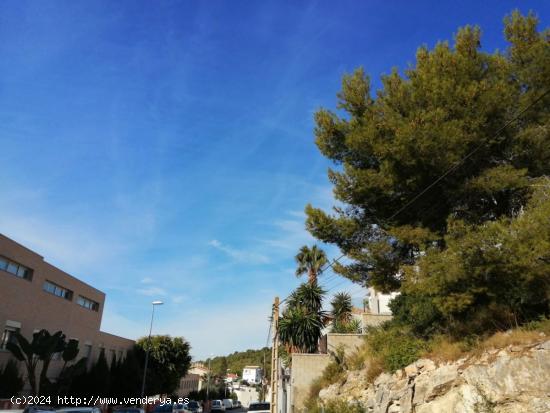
<point x="396" y="347"/>
<point x="542" y="324"/>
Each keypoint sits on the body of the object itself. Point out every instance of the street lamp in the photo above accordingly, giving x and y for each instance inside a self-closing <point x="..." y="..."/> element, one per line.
<point x="208" y="378"/>
<point x="153" y="304"/>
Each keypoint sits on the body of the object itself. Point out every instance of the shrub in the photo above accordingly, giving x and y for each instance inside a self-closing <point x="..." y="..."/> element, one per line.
<point x="395" y="347"/>
<point x="442" y="348"/>
<point x="11" y="381"/>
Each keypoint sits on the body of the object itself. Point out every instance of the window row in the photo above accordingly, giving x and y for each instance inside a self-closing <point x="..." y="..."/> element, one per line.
<point x="55" y="289"/>
<point x="87" y="303"/>
<point x="23" y="272"/>
<point x="16" y="269"/>
<point x="62" y="292"/>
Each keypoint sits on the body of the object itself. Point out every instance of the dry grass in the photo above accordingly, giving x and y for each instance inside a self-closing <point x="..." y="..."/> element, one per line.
<point x="375" y="367"/>
<point x="511" y="338"/>
<point x="442" y="350"/>
<point x="358" y="360"/>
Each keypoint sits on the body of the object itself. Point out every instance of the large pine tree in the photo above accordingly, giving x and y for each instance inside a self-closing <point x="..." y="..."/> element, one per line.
<point x="425" y="164"/>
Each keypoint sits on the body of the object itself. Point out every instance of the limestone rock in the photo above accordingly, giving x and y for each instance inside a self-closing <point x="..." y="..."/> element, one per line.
<point x="511" y="380"/>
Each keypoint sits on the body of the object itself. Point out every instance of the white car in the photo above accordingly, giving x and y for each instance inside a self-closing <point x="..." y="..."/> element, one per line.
<point x="228" y="404"/>
<point x="259" y="407"/>
<point x="217" y="406"/>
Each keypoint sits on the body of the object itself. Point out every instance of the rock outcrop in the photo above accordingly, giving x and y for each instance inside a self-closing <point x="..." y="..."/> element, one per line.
<point x="511" y="380"/>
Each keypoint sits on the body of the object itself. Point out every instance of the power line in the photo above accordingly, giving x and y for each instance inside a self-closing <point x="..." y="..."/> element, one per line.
<point x="440" y="178"/>
<point x="453" y="168"/>
<point x="477" y="148"/>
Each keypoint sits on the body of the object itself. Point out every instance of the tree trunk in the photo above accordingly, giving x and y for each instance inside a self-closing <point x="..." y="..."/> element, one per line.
<point x="31" y="373"/>
<point x="312" y="277"/>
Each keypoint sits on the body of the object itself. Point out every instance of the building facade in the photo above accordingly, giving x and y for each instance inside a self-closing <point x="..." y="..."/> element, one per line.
<point x="253" y="374"/>
<point x="35" y="295"/>
<point x="379" y="303"/>
<point x="194" y="380"/>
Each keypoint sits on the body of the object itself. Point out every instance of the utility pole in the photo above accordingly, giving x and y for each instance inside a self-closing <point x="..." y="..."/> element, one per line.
<point x="275" y="358"/>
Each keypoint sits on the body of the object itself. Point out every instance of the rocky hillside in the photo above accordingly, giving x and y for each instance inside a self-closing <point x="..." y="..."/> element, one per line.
<point x="515" y="379"/>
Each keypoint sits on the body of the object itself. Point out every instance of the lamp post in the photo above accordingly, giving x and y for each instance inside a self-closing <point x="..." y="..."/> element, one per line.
<point x="153" y="304"/>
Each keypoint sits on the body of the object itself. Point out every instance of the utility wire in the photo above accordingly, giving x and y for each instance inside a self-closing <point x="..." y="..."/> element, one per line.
<point x="454" y="167"/>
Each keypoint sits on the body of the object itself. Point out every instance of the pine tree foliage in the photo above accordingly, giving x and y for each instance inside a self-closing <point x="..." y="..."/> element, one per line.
<point x="442" y="112"/>
<point x="444" y="188"/>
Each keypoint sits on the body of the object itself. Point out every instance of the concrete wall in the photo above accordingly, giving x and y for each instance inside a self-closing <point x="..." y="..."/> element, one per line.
<point x="350" y="342"/>
<point x="305" y="369"/>
<point x="373" y="320"/>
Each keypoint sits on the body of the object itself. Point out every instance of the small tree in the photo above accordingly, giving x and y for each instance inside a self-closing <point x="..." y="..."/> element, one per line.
<point x="169" y="361"/>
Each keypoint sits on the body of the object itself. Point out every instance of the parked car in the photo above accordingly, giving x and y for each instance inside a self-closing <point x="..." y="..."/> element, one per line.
<point x="259" y="407"/>
<point x="128" y="410"/>
<point x="180" y="408"/>
<point x="163" y="408"/>
<point x="193" y="407"/>
<point x="78" y="410"/>
<point x="217" y="406"/>
<point x="237" y="404"/>
<point x="38" y="409"/>
<point x="228" y="404"/>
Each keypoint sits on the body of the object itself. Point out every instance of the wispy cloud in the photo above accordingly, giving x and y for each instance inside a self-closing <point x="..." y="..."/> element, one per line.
<point x="240" y="255"/>
<point x="152" y="291"/>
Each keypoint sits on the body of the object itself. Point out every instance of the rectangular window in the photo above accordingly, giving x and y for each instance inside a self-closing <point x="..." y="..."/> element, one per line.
<point x="8" y="336"/>
<point x="57" y="290"/>
<point x="15" y="269"/>
<point x="87" y="303"/>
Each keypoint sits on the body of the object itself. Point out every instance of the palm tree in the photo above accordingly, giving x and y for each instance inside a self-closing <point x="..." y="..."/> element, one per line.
<point x="310" y="261"/>
<point x="309" y="296"/>
<point x="341" y="311"/>
<point x="300" y="330"/>
<point x="341" y="307"/>
<point x="303" y="319"/>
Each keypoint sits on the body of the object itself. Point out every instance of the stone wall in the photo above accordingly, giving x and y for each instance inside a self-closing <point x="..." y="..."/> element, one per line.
<point x="349" y="342"/>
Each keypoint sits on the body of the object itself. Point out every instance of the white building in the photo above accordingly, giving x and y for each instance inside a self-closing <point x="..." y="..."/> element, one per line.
<point x="252" y="374"/>
<point x="378" y="302"/>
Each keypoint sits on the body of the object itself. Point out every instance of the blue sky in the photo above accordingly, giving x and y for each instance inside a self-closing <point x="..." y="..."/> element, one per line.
<point x="164" y="150"/>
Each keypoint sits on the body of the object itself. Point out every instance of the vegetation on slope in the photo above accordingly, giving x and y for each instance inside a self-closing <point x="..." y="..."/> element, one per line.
<point x="235" y="362"/>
